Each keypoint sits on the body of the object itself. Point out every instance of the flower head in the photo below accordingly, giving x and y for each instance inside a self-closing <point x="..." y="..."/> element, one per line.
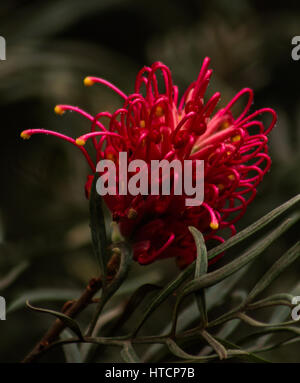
<point x="154" y="123"/>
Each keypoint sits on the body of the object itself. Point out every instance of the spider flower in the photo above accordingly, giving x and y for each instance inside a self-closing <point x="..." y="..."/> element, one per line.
<point x="154" y="123"/>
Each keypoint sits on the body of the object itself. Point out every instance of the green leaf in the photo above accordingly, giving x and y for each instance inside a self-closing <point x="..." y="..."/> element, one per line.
<point x="71" y="350"/>
<point x="215" y="295"/>
<point x="277" y="268"/>
<point x="253" y="228"/>
<point x="42" y="295"/>
<point x="249" y="356"/>
<point x="136" y="280"/>
<point x="269" y="331"/>
<point x="98" y="230"/>
<point x="255" y="250"/>
<point x="169" y="289"/>
<point x="68" y="322"/>
<point x="200" y="269"/>
<point x="280" y="344"/>
<point x="135" y="300"/>
<point x="180" y="353"/>
<point x="280" y="313"/>
<point x="110" y="289"/>
<point x="215" y="344"/>
<point x="177" y="351"/>
<point x="282" y="299"/>
<point x="128" y="354"/>
<point x="227" y="270"/>
<point x="126" y="261"/>
<point x="201" y="260"/>
<point x="255" y="323"/>
<point x="109" y="316"/>
<point x="248" y="231"/>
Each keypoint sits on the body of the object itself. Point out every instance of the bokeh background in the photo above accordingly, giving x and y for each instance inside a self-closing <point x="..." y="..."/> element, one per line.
<point x="51" y="47"/>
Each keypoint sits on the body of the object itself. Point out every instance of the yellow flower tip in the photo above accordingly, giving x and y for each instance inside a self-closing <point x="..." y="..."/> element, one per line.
<point x="25" y="135"/>
<point x="220" y="186"/>
<point x="80" y="142"/>
<point x="236" y="138"/>
<point x="88" y="81"/>
<point x="132" y="213"/>
<point x="231" y="177"/>
<point x="142" y="123"/>
<point x="225" y="125"/>
<point x="214" y="225"/>
<point x="159" y="111"/>
<point x="111" y="157"/>
<point x="59" y="110"/>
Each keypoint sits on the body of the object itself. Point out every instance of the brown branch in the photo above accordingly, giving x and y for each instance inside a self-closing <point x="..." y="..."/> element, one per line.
<point x="73" y="308"/>
<point x="70" y="308"/>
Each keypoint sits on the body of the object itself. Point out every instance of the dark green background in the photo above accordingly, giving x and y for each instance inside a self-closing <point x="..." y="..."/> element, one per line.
<point x="51" y="47"/>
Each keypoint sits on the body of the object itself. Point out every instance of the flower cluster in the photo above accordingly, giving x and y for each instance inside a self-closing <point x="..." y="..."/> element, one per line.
<point x="154" y="123"/>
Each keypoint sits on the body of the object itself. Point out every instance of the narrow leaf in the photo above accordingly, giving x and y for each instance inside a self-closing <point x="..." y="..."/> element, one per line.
<point x="277" y="268"/>
<point x="71" y="350"/>
<point x="110" y="290"/>
<point x="129" y="355"/>
<point x="280" y="313"/>
<point x="255" y="323"/>
<point x="273" y="300"/>
<point x="98" y="230"/>
<point x="68" y="322"/>
<point x="255" y="250"/>
<point x="201" y="260"/>
<point x="200" y="269"/>
<point x="269" y="331"/>
<point x="253" y="228"/>
<point x="42" y="295"/>
<point x="135" y="300"/>
<point x="249" y="356"/>
<point x="178" y="351"/>
<point x="280" y="344"/>
<point x="248" y="231"/>
<point x="216" y="345"/>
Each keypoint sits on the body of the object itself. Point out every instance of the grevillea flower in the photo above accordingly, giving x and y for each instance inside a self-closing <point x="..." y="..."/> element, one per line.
<point x="156" y="124"/>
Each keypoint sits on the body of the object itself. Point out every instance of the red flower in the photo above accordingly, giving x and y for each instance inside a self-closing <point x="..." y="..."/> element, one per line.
<point x="154" y="124"/>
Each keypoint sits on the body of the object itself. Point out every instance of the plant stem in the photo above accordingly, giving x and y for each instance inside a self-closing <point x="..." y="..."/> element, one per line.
<point x="70" y="308"/>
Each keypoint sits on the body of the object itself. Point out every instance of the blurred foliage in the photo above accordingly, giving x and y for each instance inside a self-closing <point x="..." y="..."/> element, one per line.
<point x="51" y="47"/>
